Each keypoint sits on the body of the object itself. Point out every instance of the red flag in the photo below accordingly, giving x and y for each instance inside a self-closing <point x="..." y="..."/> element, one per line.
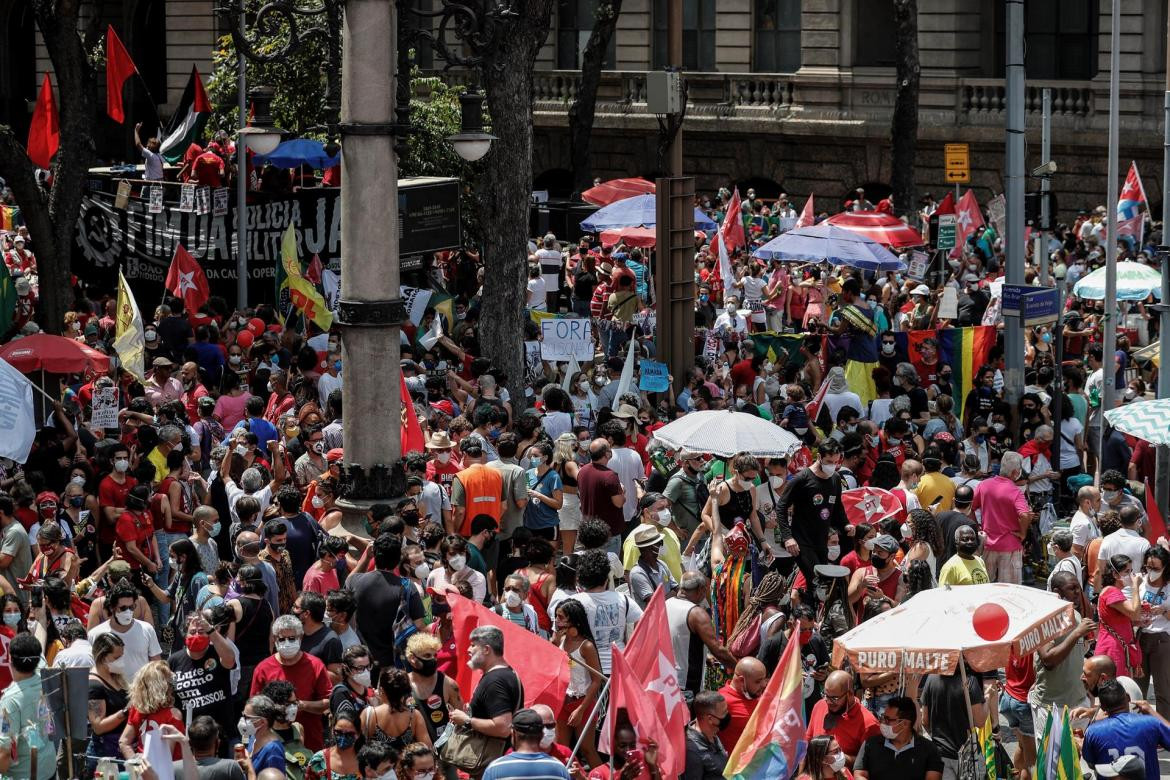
<point x="1155" y="524"/>
<point x="869" y="505"/>
<point x="814" y="406"/>
<point x="732" y="229"/>
<point x="313" y="272"/>
<point x="626" y="691"/>
<point x="44" y="134"/>
<point x="186" y="280"/>
<point x="411" y="433"/>
<point x="543" y="668"/>
<point x="969" y="219"/>
<point x="807" y="218"/>
<point x="119" y="67"/>
<point x="1131" y="205"/>
<point x="650" y="657"/>
<point x="946" y="205"/>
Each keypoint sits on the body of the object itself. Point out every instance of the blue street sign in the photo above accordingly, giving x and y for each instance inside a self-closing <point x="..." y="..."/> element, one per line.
<point x="1040" y="306"/>
<point x="1010" y="301"/>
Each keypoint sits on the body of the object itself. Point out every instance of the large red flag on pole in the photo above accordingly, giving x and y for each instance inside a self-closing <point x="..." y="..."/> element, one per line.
<point x="186" y="280"/>
<point x="543" y="668"/>
<point x="650" y="657"/>
<point x="807" y="218"/>
<point x="1155" y="523"/>
<point x="968" y="220"/>
<point x="1132" y="205"/>
<point x="119" y="67"/>
<point x="411" y="432"/>
<point x="44" y="134"/>
<point x="626" y="691"/>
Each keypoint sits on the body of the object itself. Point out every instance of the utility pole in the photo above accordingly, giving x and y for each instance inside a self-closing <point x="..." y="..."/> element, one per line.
<point x="1109" y="347"/>
<point x="1045" y="185"/>
<point x="674" y="50"/>
<point x="242" y="182"/>
<point x="1162" y="477"/>
<point x="1014" y="194"/>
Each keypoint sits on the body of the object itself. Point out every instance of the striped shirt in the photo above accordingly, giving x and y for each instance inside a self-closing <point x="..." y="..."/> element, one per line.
<point x="526" y="766"/>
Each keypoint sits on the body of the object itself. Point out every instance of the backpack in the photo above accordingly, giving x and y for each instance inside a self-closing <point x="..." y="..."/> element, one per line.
<point x="404" y="627"/>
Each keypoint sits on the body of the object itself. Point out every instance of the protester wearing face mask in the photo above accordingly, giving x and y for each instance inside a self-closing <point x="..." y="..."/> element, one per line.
<point x="706" y="755"/>
<point x="306" y="672"/>
<point x="655" y="519"/>
<point x="433" y="691"/>
<point x="138" y="637"/>
<point x="108" y="700"/>
<point x="965" y="567"/>
<point x="354" y="692"/>
<point x="1119" y="610"/>
<point x="339" y="760"/>
<point x="898" y="751"/>
<point x="113" y="490"/>
<point x="1155" y="634"/>
<point x="824" y="759"/>
<point x="814" y="497"/>
<point x="262" y="744"/>
<point x="882" y="578"/>
<point x="203" y="671"/>
<point x="742" y="694"/>
<point x="380" y="762"/>
<point x="322" y="575"/>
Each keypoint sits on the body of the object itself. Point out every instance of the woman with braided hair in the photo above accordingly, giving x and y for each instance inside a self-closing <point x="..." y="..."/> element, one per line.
<point x="921" y="532"/>
<point x="761" y="618"/>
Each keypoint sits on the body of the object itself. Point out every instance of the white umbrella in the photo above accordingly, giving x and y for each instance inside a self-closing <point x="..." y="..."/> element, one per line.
<point x="927" y="633"/>
<point x="1149" y="420"/>
<point x="727" y="433"/>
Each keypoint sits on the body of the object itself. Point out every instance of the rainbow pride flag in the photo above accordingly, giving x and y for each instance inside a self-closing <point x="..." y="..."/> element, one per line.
<point x="965" y="350"/>
<point x="7" y="218"/>
<point x="772" y="743"/>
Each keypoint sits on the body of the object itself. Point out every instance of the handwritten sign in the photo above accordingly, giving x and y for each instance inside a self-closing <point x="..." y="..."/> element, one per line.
<point x="919" y="262"/>
<point x="565" y="338"/>
<point x="220" y="199"/>
<point x="653" y="377"/>
<point x="533" y="368"/>
<point x="104" y="410"/>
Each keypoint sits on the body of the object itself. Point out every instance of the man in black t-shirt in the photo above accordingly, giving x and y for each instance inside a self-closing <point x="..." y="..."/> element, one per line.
<point x="384" y="603"/>
<point x="952" y="519"/>
<point x="898" y="752"/>
<point x="320" y="639"/>
<point x="814" y="497"/>
<point x="499" y="693"/>
<point x="203" y="674"/>
<point x="944" y="711"/>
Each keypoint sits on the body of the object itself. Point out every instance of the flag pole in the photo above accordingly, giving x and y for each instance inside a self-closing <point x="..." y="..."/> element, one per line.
<point x="601" y="697"/>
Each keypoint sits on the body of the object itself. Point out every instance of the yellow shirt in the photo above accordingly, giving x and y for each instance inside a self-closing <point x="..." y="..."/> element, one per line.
<point x="935" y="484"/>
<point x="960" y="571"/>
<point x="670" y="555"/>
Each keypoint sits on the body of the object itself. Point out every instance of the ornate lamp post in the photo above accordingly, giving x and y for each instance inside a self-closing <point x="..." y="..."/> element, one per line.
<point x="369" y="114"/>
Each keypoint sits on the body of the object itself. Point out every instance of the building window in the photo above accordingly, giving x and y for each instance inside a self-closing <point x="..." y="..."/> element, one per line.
<point x="1060" y="39"/>
<point x="574" y="26"/>
<point x="875" y="35"/>
<point x="777" y="36"/>
<point x="698" y="34"/>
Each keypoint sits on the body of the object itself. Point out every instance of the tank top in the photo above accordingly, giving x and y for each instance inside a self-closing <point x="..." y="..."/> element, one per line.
<point x="578" y="673"/>
<point x="739" y="506"/>
<point x="434" y="708"/>
<point x="690" y="654"/>
<point x="566" y="480"/>
<point x="255" y="624"/>
<point x="537" y="600"/>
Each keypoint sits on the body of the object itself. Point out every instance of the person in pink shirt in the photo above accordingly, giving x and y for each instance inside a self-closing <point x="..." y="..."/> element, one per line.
<point x="321" y="577"/>
<point x="1005" y="516"/>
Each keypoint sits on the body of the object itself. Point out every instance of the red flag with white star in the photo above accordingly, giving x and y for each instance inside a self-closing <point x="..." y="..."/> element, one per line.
<point x="969" y="219"/>
<point x="649" y="658"/>
<point x="807" y="218"/>
<point x="869" y="505"/>
<point x="186" y="280"/>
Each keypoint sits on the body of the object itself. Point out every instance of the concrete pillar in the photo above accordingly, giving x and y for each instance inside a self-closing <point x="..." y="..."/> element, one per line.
<point x="370" y="311"/>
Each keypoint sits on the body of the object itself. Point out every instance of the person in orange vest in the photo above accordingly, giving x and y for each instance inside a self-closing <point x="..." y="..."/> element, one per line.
<point x="477" y="489"/>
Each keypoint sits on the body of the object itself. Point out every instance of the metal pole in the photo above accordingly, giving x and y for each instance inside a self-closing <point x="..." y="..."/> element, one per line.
<point x="674" y="49"/>
<point x="242" y="183"/>
<point x="1045" y="186"/>
<point x="1109" y="347"/>
<point x="1058" y="391"/>
<point x="1162" y="476"/>
<point x="1014" y="195"/>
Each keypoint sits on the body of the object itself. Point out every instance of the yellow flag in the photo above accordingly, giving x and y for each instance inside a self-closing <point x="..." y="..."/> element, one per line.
<point x="129" y="339"/>
<point x="302" y="293"/>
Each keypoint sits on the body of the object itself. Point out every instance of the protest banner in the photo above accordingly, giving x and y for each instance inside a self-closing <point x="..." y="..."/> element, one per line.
<point x="104" y="408"/>
<point x="566" y="337"/>
<point x="414" y="300"/>
<point x="653" y="377"/>
<point x="17" y="419"/>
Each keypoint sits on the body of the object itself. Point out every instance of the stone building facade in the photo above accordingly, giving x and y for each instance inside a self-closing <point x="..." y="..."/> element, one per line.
<point x="798" y="94"/>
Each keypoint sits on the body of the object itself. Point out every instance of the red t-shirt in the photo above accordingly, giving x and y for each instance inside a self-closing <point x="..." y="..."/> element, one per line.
<point x="741" y="708"/>
<point x="742" y="373"/>
<point x="137" y="527"/>
<point x="112" y="494"/>
<point x="318" y="581"/>
<point x="208" y="170"/>
<point x="26" y="515"/>
<point x="1020" y="673"/>
<point x="154" y="720"/>
<point x="853" y="727"/>
<point x="311" y="683"/>
<point x="442" y="473"/>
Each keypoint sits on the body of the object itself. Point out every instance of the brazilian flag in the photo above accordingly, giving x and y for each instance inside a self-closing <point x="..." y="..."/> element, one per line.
<point x="772" y="345"/>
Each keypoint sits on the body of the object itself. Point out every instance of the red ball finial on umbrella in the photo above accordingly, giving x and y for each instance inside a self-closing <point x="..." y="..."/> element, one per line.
<point x="990" y="622"/>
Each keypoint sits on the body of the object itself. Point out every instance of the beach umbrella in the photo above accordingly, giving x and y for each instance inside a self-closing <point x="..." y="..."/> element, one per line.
<point x="726" y="433"/>
<point x="617" y="189"/>
<point x="1149" y="420"/>
<point x="53" y="354"/>
<point x="1135" y="281"/>
<point x="832" y="244"/>
<point x="638" y="211"/>
<point x="298" y="152"/>
<point x="886" y="229"/>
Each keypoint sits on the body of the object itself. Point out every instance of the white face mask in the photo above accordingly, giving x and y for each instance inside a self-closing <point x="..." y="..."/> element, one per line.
<point x="116" y="665"/>
<point x="389" y="774"/>
<point x="288" y="648"/>
<point x="838" y="762"/>
<point x="664" y="517"/>
<point x="1153" y="576"/>
<point x="907" y="531"/>
<point x="513" y="599"/>
<point x="443" y="457"/>
<point x="583" y="386"/>
<point x="290" y="712"/>
<point x="425" y="776"/>
<point x="246" y="728"/>
<point x="868" y="544"/>
<point x="241" y="450"/>
<point x="422" y="571"/>
<point x="362" y="678"/>
<point x="456" y="562"/>
<point x="829" y="468"/>
<point x="547" y="737"/>
<point x="776" y="481"/>
<point x="887" y="730"/>
<point x="318" y="502"/>
<point x="834" y="551"/>
<point x="78" y="480"/>
<point x="124" y="617"/>
<point x="121" y="465"/>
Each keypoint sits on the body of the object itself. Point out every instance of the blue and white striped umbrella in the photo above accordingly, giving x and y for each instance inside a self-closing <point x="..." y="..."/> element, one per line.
<point x="638" y="211"/>
<point x="1149" y="420"/>
<point x="828" y="243"/>
<point x="1135" y="281"/>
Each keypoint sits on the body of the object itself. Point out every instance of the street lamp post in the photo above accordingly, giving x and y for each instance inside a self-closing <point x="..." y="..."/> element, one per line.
<point x="366" y="111"/>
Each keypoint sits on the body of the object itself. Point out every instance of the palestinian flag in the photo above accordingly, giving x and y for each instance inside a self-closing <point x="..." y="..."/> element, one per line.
<point x="188" y="121"/>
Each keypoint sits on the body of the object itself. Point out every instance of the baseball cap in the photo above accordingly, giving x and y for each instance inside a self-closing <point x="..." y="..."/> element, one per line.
<point x="921" y="289"/>
<point x="526" y="721"/>
<point x="886" y="542"/>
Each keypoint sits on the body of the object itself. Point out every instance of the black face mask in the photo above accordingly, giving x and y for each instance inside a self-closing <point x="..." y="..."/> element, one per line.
<point x="967" y="548"/>
<point x="426" y="667"/>
<point x="439" y="609"/>
<point x="725" y="721"/>
<point x="880" y="563"/>
<point x="410" y="518"/>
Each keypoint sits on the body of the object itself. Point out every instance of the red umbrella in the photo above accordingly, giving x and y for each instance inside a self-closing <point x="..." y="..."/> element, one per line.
<point x="55" y="354"/>
<point x="883" y="228"/>
<point x="617" y="189"/>
<point x="637" y="236"/>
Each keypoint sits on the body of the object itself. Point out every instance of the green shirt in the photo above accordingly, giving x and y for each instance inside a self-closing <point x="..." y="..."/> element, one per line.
<point x="23" y="719"/>
<point x="475" y="559"/>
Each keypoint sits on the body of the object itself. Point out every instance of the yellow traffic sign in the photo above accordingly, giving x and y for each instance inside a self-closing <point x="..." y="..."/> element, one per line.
<point x="958" y="163"/>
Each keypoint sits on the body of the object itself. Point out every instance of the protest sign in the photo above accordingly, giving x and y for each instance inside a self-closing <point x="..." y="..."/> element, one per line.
<point x="415" y="300"/>
<point x="17" y="420"/>
<point x="104" y="413"/>
<point x="652" y="377"/>
<point x="565" y="338"/>
<point x="534" y="369"/>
